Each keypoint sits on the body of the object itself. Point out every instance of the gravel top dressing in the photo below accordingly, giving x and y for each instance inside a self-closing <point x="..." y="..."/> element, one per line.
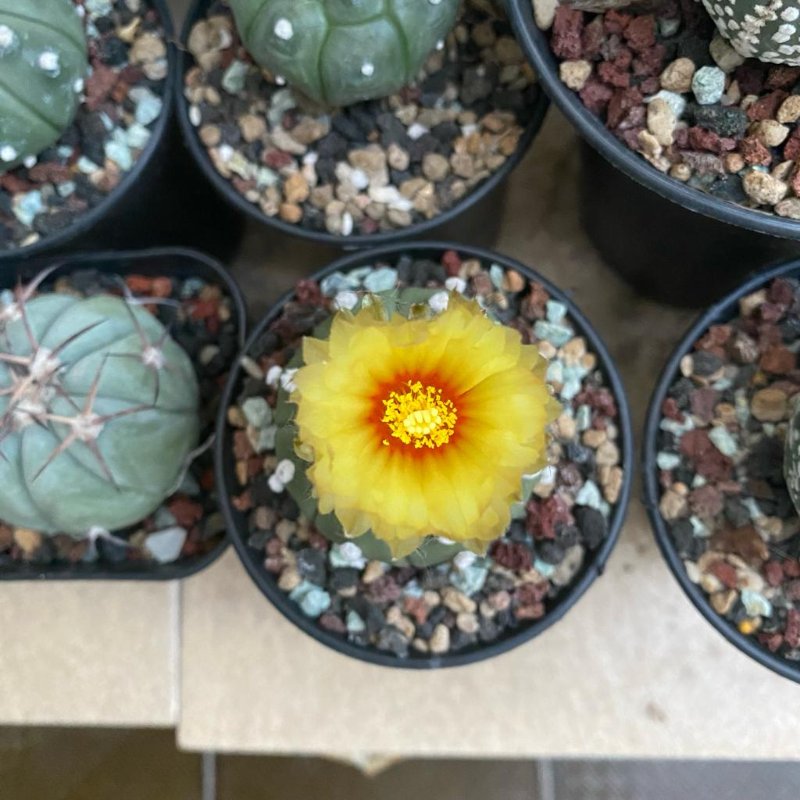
<point x="121" y="104"/>
<point x="374" y="166"/>
<point x="673" y="90"/>
<point x="471" y="601"/>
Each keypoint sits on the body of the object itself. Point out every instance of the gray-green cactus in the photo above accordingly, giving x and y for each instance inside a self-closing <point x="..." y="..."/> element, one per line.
<point x="98" y="412"/>
<point x="760" y="29"/>
<point x="339" y="52"/>
<point x="791" y="458"/>
<point x="43" y="61"/>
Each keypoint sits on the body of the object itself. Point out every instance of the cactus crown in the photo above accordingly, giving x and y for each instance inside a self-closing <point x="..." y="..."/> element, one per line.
<point x="339" y="52"/>
<point x="763" y="29"/>
<point x="98" y="411"/>
<point x="43" y="62"/>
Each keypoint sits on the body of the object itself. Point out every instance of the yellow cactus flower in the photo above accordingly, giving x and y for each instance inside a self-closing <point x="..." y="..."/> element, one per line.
<point x="420" y="427"/>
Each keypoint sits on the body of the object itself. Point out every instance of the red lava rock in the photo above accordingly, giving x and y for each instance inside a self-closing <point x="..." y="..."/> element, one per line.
<point x="703" y="402"/>
<point x="318" y="541"/>
<point x="595" y="95"/>
<point x="750" y="76"/>
<point x="771" y="312"/>
<point x="620" y="105"/>
<point x="792" y="589"/>
<point x="782" y="76"/>
<point x="791" y="147"/>
<point x="706" y="501"/>
<point x="592" y="39"/>
<point x="529" y="593"/>
<point x="536" y="611"/>
<point x="613" y="75"/>
<point x="792" y="633"/>
<point x="451" y="261"/>
<point x="616" y="21"/>
<point x="415" y="607"/>
<point x="203" y="309"/>
<point x="715" y="340"/>
<point x="98" y="85"/>
<point x="651" y="62"/>
<point x="383" y="590"/>
<point x="6" y="538"/>
<point x="650" y="85"/>
<point x="567" y="29"/>
<point x="277" y="159"/>
<point x="766" y="107"/>
<point x="706" y="459"/>
<point x="791" y="568"/>
<point x="49" y="173"/>
<point x="725" y="572"/>
<point x="308" y="292"/>
<point x="333" y="622"/>
<point x="600" y="400"/>
<point x="778" y="360"/>
<point x="744" y="542"/>
<point x="669" y="408"/>
<point x="186" y="511"/>
<point x="274" y="564"/>
<point x="703" y="139"/>
<point x="511" y="555"/>
<point x="161" y="287"/>
<point x="570" y="474"/>
<point x="241" y="445"/>
<point x="772" y="641"/>
<point x="546" y="516"/>
<point x="243" y="502"/>
<point x="640" y="32"/>
<point x="754" y="151"/>
<point x="274" y="546"/>
<point x="534" y="304"/>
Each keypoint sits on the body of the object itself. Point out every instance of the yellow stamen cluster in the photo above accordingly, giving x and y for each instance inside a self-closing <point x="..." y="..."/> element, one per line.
<point x="420" y="416"/>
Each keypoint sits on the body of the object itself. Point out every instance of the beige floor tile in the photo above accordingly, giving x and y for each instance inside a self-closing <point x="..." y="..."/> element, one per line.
<point x="632" y="670"/>
<point x="88" y="653"/>
<point x="64" y="764"/>
<point x="262" y="778"/>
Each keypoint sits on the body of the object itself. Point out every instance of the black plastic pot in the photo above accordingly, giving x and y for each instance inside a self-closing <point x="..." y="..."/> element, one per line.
<point x="671" y="242"/>
<point x="161" y="201"/>
<point x="719" y="313"/>
<point x="237" y="521"/>
<point x="476" y="218"/>
<point x="176" y="262"/>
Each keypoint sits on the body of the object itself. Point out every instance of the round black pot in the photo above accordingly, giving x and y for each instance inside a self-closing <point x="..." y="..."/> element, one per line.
<point x="237" y="521"/>
<point x="672" y="243"/>
<point x="161" y="201"/>
<point x="477" y="218"/>
<point x="719" y="313"/>
<point x="176" y="262"/>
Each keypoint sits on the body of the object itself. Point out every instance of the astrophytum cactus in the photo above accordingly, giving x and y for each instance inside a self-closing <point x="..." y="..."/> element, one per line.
<point x="763" y="29"/>
<point x="43" y="62"/>
<point x="98" y="412"/>
<point x="339" y="52"/>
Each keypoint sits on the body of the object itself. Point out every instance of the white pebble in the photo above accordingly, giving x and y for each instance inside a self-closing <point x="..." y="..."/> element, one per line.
<point x="464" y="559"/>
<point x="439" y="301"/>
<point x="345" y="300"/>
<point x="455" y="284"/>
<point x="285" y="471"/>
<point x="273" y="376"/>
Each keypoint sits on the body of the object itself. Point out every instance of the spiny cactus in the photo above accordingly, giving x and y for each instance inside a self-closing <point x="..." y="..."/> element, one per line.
<point x="339" y="52"/>
<point x="43" y="62"/>
<point x="98" y="411"/>
<point x="763" y="29"/>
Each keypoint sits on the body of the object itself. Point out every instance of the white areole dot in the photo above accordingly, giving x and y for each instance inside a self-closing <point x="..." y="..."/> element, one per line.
<point x="790" y="14"/>
<point x="367" y="69"/>
<point x="284" y="29"/>
<point x="7" y="37"/>
<point x="48" y="61"/>
<point x="7" y="153"/>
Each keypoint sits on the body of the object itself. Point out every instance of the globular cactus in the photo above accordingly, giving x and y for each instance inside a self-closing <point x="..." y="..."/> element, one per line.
<point x="339" y="52"/>
<point x="43" y="61"/>
<point x="791" y="458"/>
<point x="760" y="29"/>
<point x="98" y="412"/>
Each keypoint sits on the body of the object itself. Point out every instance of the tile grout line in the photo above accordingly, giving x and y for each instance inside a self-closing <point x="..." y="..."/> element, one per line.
<point x="176" y="604"/>
<point x="545" y="779"/>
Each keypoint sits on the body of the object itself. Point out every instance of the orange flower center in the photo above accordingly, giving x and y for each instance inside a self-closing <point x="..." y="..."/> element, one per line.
<point x="420" y="416"/>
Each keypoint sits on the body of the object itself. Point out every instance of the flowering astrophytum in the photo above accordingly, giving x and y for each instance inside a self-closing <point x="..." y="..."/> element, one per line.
<point x="422" y="426"/>
<point x="763" y="29"/>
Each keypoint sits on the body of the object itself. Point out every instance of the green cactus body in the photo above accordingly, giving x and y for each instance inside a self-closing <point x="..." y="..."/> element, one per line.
<point x="339" y="52"/>
<point x="43" y="61"/>
<point x="98" y="413"/>
<point x="769" y="31"/>
<point x="791" y="458"/>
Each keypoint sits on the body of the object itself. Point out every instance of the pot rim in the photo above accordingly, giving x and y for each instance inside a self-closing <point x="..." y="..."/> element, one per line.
<point x="590" y="569"/>
<point x="537" y="48"/>
<point x="85" y="222"/>
<point x="209" y="267"/>
<point x="229" y="193"/>
<point x="720" y="311"/>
